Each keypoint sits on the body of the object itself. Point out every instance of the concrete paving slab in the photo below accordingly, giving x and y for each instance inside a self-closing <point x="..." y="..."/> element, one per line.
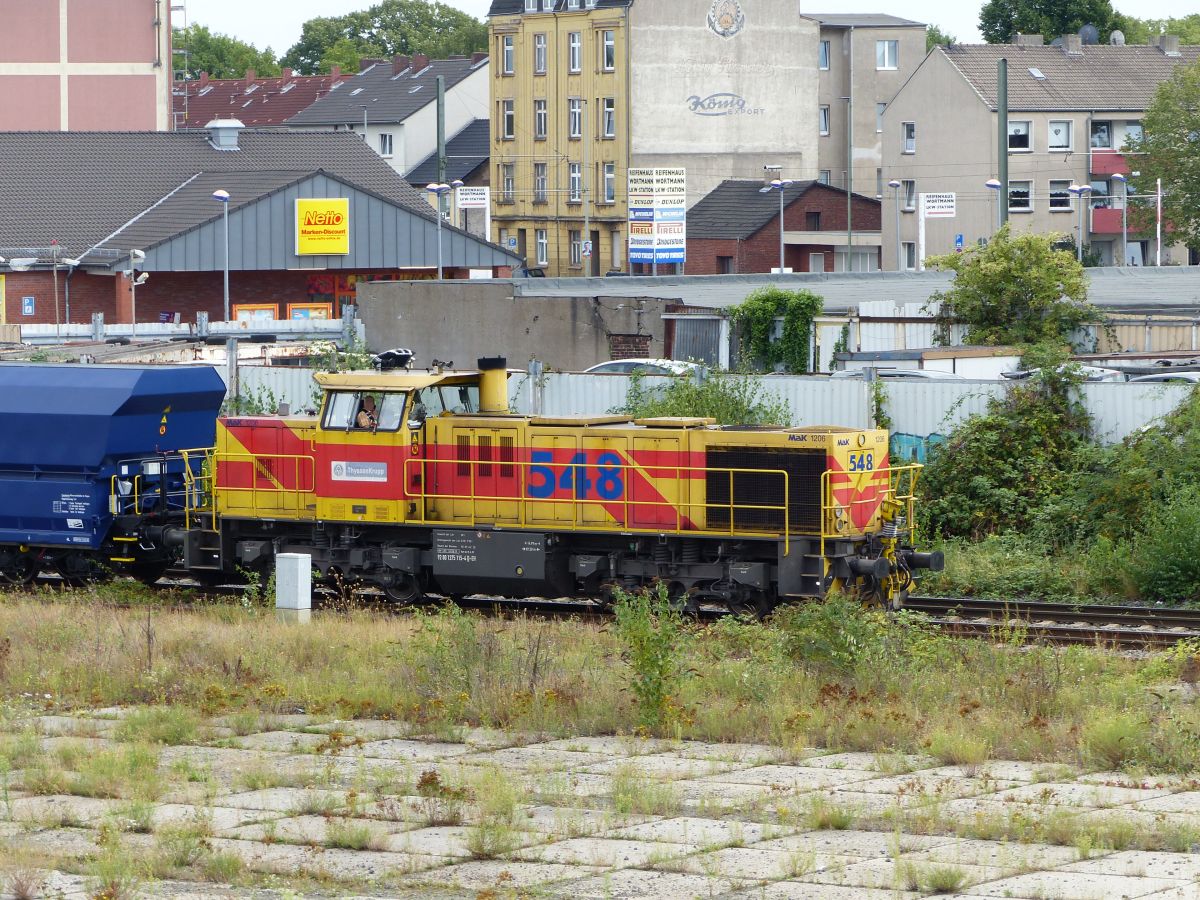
<point x="905" y="874"/>
<point x="605" y="852"/>
<point x="795" y="890"/>
<point x="412" y="750"/>
<point x="1186" y="802"/>
<point x="77" y="726"/>
<point x="1077" y="795"/>
<point x="858" y="804"/>
<point x="59" y="808"/>
<point x="289" y="800"/>
<point x="563" y="821"/>
<point x="282" y="741"/>
<point x="636" y="884"/>
<point x="1186" y="892"/>
<point x="866" y="844"/>
<point x="311" y="830"/>
<point x="793" y="778"/>
<point x="322" y="863"/>
<point x="616" y="745"/>
<point x="367" y="729"/>
<point x="219" y="818"/>
<point x="1140" y="863"/>
<point x="450" y="840"/>
<point x="1060" y="885"/>
<point x="663" y="767"/>
<point x="567" y="785"/>
<point x="693" y="830"/>
<point x="1012" y="857"/>
<point x="716" y="798"/>
<point x="1000" y="770"/>
<point x="922" y="785"/>
<point x="870" y="762"/>
<point x="535" y="759"/>
<point x="483" y="875"/>
<point x="745" y="754"/>
<point x="750" y="863"/>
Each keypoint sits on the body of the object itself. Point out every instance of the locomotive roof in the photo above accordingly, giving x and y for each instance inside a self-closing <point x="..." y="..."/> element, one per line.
<point x="395" y="380"/>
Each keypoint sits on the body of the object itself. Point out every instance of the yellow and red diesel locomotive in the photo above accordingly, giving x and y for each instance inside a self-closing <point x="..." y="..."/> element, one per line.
<point x="423" y="481"/>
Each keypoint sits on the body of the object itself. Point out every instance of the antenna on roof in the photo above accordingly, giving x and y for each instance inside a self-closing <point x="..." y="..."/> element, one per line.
<point x="1117" y="38"/>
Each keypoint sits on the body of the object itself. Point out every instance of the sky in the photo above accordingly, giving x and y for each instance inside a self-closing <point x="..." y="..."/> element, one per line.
<point x="276" y="23"/>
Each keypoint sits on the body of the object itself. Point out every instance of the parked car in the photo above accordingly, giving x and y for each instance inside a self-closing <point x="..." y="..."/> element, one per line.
<point x="1090" y="373"/>
<point x="901" y="374"/>
<point x="644" y="367"/>
<point x="1175" y="377"/>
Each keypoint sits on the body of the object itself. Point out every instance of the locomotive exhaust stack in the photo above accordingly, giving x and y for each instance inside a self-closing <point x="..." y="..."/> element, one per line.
<point x="493" y="386"/>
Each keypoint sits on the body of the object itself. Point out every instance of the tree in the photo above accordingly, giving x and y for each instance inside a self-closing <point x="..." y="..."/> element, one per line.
<point x="1141" y="31"/>
<point x="1170" y="150"/>
<point x="1001" y="20"/>
<point x="221" y="55"/>
<point x="935" y="37"/>
<point x="391" y="27"/>
<point x="1016" y="290"/>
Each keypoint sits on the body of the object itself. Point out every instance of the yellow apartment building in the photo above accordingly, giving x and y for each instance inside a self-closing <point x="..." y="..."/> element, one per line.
<point x="560" y="132"/>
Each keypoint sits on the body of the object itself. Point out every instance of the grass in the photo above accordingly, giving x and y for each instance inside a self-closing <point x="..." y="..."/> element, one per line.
<point x="494" y="833"/>
<point x="839" y="678"/>
<point x="634" y="792"/>
<point x="347" y="834"/>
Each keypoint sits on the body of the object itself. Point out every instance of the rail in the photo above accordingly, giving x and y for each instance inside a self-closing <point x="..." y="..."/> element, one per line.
<point x="901" y="488"/>
<point x="552" y="475"/>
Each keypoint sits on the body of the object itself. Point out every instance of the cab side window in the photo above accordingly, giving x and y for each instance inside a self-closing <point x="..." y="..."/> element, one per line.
<point x="340" y="409"/>
<point x="347" y="410"/>
<point x="390" y="411"/>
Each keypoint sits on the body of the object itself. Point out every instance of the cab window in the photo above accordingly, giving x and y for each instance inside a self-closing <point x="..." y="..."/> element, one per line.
<point x="363" y="411"/>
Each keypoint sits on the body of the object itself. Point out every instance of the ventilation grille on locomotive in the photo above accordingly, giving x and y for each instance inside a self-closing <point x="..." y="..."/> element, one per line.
<point x="759" y="488"/>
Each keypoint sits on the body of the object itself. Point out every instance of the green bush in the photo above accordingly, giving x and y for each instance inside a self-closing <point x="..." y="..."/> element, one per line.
<point x="836" y="634"/>
<point x="755" y="319"/>
<point x="654" y="641"/>
<point x="1166" y="554"/>
<point x="730" y="399"/>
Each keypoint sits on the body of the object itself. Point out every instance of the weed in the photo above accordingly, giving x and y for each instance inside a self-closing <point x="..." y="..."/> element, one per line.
<point x="959" y="748"/>
<point x="263" y="777"/>
<point x="823" y="815"/>
<point x="634" y="792"/>
<point x="347" y="834"/>
<point x="942" y="879"/>
<point x="25" y="884"/>
<point x="495" y="833"/>
<point x="170" y="725"/>
<point x="116" y="875"/>
<point x="137" y="816"/>
<point x="654" y="641"/>
<point x="442" y="803"/>
<point x="180" y="845"/>
<point x="222" y="866"/>
<point x="127" y="772"/>
<point x="798" y="863"/>
<point x="313" y="803"/>
<point x="1114" y="740"/>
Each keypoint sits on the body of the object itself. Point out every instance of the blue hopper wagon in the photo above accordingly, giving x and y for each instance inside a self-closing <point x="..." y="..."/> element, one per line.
<point x="94" y="463"/>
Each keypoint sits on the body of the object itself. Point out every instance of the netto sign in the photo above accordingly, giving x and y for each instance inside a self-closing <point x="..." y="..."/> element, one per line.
<point x="323" y="227"/>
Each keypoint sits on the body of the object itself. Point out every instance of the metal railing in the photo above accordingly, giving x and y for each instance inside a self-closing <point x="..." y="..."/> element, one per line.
<point x="303" y="471"/>
<point x="896" y="483"/>
<point x="170" y="476"/>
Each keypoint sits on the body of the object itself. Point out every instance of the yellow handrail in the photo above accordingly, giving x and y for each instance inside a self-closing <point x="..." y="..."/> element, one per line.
<point x="894" y="490"/>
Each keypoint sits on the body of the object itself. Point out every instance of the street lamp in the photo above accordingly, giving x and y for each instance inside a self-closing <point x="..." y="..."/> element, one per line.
<point x="895" y="186"/>
<point x="778" y="184"/>
<point x="1081" y="191"/>
<point x="994" y="184"/>
<point x="1124" y="182"/>
<point x="439" y="191"/>
<point x="222" y="197"/>
<point x="135" y="257"/>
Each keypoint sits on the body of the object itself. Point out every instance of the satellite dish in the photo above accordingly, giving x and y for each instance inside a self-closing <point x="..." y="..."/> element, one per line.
<point x="1117" y="38"/>
<point x="1089" y="34"/>
<point x="1057" y="42"/>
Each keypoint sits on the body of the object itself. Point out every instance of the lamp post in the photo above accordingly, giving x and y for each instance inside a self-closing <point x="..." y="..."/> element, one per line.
<point x="222" y="197"/>
<point x="439" y="191"/>
<point x="1124" y="182"/>
<point x="135" y="257"/>
<point x="778" y="184"/>
<point x="993" y="184"/>
<point x="895" y="186"/>
<point x="1081" y="191"/>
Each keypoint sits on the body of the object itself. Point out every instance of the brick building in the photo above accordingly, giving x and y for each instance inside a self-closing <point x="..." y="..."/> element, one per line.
<point x="735" y="229"/>
<point x="310" y="216"/>
<point x="85" y="65"/>
<point x="256" y="102"/>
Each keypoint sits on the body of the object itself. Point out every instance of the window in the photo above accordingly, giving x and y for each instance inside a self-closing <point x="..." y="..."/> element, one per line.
<point x="572" y="4"/>
<point x="575" y="118"/>
<point x="541" y="120"/>
<point x="1060" y="196"/>
<point x="610" y="182"/>
<point x="1101" y="138"/>
<point x="384" y="411"/>
<point x="812" y="221"/>
<point x="879" y="184"/>
<point x="617" y="246"/>
<point x="539" y="54"/>
<point x="909" y="188"/>
<point x="507" y="58"/>
<point x="609" y="51"/>
<point x="823" y="119"/>
<point x="1020" y="135"/>
<point x="823" y="55"/>
<point x="591" y="4"/>
<point x="576" y="247"/>
<point x="887" y="54"/>
<point x="879" y="110"/>
<point x="531" y="5"/>
<point x="542" y="242"/>
<point x="824" y="176"/>
<point x="508" y="127"/>
<point x="1020" y="196"/>
<point x="540" y="182"/>
<point x="574" y="51"/>
<point x="609" y="117"/>
<point x="1099" y="196"/>
<point x="910" y="256"/>
<point x="1133" y="133"/>
<point x="908" y="136"/>
<point x="724" y="265"/>
<point x="385" y="144"/>
<point x="574" y="182"/>
<point x="1060" y="134"/>
<point x="507" y="179"/>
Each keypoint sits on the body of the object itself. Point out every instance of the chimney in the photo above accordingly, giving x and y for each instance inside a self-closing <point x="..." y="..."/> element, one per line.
<point x="203" y="79"/>
<point x="1169" y="44"/>
<point x="478" y="56"/>
<point x="1072" y="45"/>
<point x="287" y="74"/>
<point x="1029" y="40"/>
<point x="399" y="64"/>
<point x="223" y="134"/>
<point x="420" y="61"/>
<point x="367" y="61"/>
<point x="250" y="76"/>
<point x="335" y="73"/>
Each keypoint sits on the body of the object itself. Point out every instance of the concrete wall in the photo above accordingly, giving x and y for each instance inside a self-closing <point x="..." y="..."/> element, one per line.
<point x="464" y="321"/>
<point x="770" y="68"/>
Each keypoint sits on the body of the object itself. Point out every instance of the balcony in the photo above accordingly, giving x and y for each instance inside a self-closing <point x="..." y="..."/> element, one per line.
<point x="1106" y="221"/>
<point x="1108" y="162"/>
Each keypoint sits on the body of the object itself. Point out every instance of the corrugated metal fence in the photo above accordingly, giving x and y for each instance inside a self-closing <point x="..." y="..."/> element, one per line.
<point x="920" y="412"/>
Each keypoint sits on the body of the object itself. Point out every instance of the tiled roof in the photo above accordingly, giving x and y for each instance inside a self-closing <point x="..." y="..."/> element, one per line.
<point x="80" y="187"/>
<point x="734" y="210"/>
<point x="253" y="101"/>
<point x="513" y="7"/>
<point x="866" y="20"/>
<point x="389" y="96"/>
<point x="465" y="152"/>
<point x="1099" y="77"/>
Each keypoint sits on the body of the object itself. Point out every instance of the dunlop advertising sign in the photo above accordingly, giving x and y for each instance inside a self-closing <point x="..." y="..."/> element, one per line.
<point x="323" y="227"/>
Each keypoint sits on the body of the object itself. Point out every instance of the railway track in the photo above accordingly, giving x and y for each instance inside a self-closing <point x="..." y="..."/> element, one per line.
<point x="1126" y="627"/>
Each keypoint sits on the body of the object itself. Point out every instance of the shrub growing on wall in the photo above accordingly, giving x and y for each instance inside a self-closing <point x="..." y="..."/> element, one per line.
<point x="755" y="318"/>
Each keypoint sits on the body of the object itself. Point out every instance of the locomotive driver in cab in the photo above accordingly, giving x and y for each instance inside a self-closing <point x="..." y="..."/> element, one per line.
<point x="368" y="416"/>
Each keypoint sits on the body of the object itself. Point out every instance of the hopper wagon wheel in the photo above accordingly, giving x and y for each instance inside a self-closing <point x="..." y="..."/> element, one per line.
<point x="18" y="568"/>
<point x="148" y="573"/>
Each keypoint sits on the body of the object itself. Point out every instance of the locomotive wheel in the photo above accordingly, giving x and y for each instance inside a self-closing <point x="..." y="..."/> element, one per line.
<point x="148" y="573"/>
<point x="405" y="590"/>
<point x="750" y="605"/>
<point x="21" y="569"/>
